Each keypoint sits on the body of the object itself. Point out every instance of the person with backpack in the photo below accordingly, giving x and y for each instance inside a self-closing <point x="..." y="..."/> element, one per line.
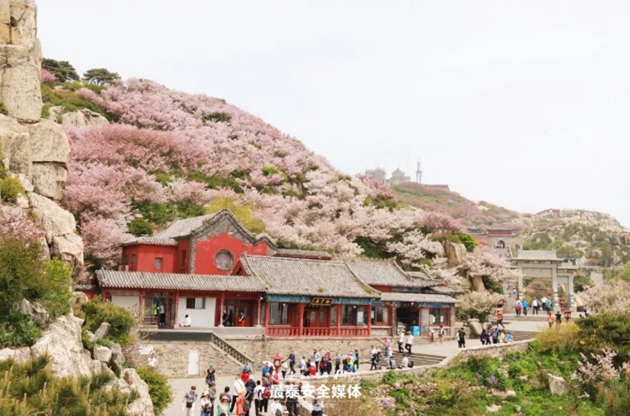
<point x="355" y="358"/>
<point x="258" y="391"/>
<point x="558" y="319"/>
<point x="210" y="374"/>
<point x="206" y="404"/>
<point x="266" y="395"/>
<point x="188" y="403"/>
<point x="461" y="338"/>
<point x="276" y="407"/>
<point x="302" y="366"/>
<point x="441" y="333"/>
<point x="291" y="363"/>
<point x="337" y="362"/>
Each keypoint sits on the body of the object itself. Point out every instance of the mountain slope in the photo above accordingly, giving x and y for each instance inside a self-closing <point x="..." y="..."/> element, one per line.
<point x="597" y="238"/>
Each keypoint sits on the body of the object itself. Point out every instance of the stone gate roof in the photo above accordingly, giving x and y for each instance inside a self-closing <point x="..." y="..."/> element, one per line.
<point x="175" y="281"/>
<point x="302" y="277"/>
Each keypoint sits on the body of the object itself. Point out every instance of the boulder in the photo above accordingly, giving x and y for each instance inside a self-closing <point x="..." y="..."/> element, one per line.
<point x="56" y="221"/>
<point x="20" y="355"/>
<point x="143" y="406"/>
<point x="82" y="118"/>
<point x="49" y="143"/>
<point x="503" y="395"/>
<point x="558" y="385"/>
<point x="90" y="336"/>
<point x="474" y="326"/>
<point x="62" y="342"/>
<point x="69" y="248"/>
<point x="455" y="252"/>
<point x="35" y="310"/>
<point x="14" y="143"/>
<point x="102" y="330"/>
<point x="102" y="354"/>
<point x="118" y="358"/>
<point x="118" y="384"/>
<point x="494" y="408"/>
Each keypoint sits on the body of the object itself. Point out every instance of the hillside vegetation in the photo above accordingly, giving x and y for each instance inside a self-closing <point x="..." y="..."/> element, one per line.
<point x="596" y="238"/>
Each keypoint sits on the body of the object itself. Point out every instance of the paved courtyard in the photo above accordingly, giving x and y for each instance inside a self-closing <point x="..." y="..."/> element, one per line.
<point x="182" y="385"/>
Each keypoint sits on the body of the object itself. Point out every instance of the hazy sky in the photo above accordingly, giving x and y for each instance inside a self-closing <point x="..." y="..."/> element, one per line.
<point x="524" y="104"/>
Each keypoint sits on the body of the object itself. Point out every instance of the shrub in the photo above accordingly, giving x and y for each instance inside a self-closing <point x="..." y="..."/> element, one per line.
<point x="100" y="76"/>
<point x="605" y="330"/>
<point x="269" y="170"/>
<point x="17" y="330"/>
<point x="216" y="117"/>
<point x="140" y="226"/>
<point x="468" y="241"/>
<point x="565" y="337"/>
<point x="159" y="388"/>
<point x="22" y="272"/>
<point x="10" y="189"/>
<point x="3" y="109"/>
<point x="62" y="70"/>
<point x="121" y="320"/>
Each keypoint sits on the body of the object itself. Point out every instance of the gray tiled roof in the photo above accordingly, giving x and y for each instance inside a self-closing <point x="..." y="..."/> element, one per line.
<point x="416" y="297"/>
<point x="173" y="281"/>
<point x="384" y="273"/>
<point x="537" y="255"/>
<point x="306" y="277"/>
<point x="424" y="279"/>
<point x="85" y="287"/>
<point x="285" y="252"/>
<point x="153" y="241"/>
<point x="443" y="290"/>
<point x="183" y="227"/>
<point x="502" y="228"/>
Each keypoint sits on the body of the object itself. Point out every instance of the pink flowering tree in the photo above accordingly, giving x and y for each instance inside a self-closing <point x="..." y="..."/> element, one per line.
<point x="47" y="77"/>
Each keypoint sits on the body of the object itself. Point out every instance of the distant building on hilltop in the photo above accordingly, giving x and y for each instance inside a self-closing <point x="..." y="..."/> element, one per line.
<point x="379" y="174"/>
<point x="398" y="177"/>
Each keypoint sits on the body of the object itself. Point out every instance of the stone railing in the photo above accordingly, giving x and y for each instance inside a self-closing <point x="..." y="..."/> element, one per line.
<point x="224" y="346"/>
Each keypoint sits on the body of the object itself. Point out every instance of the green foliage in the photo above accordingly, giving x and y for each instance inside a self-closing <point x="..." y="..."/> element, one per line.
<point x="565" y="337"/>
<point x="140" y="226"/>
<point x="269" y="170"/>
<point x="69" y="100"/>
<point x="216" y="117"/>
<point x="371" y="249"/>
<point x="31" y="389"/>
<point x="605" y="330"/>
<point x="10" y="189"/>
<point x="382" y="201"/>
<point x="468" y="241"/>
<point x="539" y="241"/>
<point x="159" y="388"/>
<point x="61" y="69"/>
<point x="242" y="211"/>
<point x="582" y="280"/>
<point x="218" y="181"/>
<point x="54" y="290"/>
<point x="88" y="344"/>
<point x="100" y="76"/>
<point x="17" y="330"/>
<point x="22" y="272"/>
<point x="163" y="178"/>
<point x="3" y="109"/>
<point x="121" y="320"/>
<point x="159" y="214"/>
<point x="625" y="272"/>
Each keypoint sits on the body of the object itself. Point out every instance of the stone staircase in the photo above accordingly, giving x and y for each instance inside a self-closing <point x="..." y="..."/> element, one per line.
<point x="418" y="359"/>
<point x="523" y="335"/>
<point x="224" y="346"/>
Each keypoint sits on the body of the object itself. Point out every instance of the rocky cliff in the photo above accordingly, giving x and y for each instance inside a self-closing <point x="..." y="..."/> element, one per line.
<point x="34" y="150"/>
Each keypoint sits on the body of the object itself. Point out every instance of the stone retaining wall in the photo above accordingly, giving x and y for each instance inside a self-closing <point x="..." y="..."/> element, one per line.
<point x="172" y="358"/>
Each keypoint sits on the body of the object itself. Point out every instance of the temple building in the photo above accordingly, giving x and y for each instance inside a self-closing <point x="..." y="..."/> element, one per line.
<point x="222" y="276"/>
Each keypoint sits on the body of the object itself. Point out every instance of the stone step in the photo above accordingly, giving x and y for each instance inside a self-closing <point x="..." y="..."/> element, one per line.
<point x="523" y="335"/>
<point x="418" y="358"/>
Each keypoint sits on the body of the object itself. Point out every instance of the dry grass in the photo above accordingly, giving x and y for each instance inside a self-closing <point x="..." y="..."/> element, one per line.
<point x="558" y="338"/>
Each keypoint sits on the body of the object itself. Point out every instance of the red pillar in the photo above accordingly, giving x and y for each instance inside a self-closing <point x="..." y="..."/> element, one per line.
<point x="369" y="319"/>
<point x="176" y="308"/>
<point x="266" y="315"/>
<point x="301" y="319"/>
<point x="141" y="308"/>
<point x="221" y="307"/>
<point x="258" y="312"/>
<point x="392" y="321"/>
<point x="338" y="320"/>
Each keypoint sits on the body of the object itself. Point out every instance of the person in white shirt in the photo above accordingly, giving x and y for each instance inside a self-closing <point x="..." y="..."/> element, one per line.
<point x="401" y="340"/>
<point x="258" y="392"/>
<point x="409" y="342"/>
<point x="275" y="407"/>
<point x="152" y="362"/>
<point x="187" y="321"/>
<point x="373" y="353"/>
<point x="238" y="386"/>
<point x="405" y="362"/>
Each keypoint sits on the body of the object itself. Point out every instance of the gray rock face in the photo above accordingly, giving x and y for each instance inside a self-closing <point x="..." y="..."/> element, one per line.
<point x="475" y="326"/>
<point x="558" y="385"/>
<point x="102" y="330"/>
<point x="83" y="118"/>
<point x="102" y="354"/>
<point x="455" y="252"/>
<point x="35" y="310"/>
<point x="20" y="355"/>
<point x="35" y="151"/>
<point x="143" y="406"/>
<point x="62" y="342"/>
<point x="118" y="359"/>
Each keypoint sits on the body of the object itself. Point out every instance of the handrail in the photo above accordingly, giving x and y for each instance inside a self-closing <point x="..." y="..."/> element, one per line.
<point x="224" y="346"/>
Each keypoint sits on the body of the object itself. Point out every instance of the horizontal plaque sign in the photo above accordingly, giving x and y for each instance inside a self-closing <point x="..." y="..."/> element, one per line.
<point x="322" y="301"/>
